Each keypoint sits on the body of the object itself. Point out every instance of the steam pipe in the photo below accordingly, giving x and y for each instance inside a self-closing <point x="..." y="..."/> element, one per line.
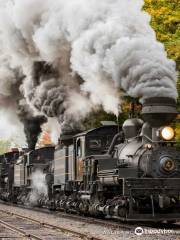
<point x="118" y="135"/>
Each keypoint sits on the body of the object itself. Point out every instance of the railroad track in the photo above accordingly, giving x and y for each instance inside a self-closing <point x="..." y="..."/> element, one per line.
<point x="84" y="221"/>
<point x="87" y="219"/>
<point x="29" y="228"/>
<point x="104" y="222"/>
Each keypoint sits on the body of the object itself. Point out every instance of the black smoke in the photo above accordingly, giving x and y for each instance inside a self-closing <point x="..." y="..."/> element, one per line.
<point x="32" y="124"/>
<point x="51" y="92"/>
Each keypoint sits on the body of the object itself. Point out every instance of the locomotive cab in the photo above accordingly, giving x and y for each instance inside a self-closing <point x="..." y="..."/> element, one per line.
<point x="70" y="155"/>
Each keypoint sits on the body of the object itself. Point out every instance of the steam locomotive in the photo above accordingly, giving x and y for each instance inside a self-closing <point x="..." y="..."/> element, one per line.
<point x="131" y="173"/>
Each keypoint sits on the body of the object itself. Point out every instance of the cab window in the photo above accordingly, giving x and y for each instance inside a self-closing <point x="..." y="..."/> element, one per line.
<point x="95" y="143"/>
<point x="79" y="148"/>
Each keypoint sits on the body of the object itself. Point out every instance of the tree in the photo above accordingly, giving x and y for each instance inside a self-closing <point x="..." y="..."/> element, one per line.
<point x="4" y="146"/>
<point x="44" y="139"/>
<point x="165" y="20"/>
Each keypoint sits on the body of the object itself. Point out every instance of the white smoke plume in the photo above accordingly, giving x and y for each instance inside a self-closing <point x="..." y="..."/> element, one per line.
<point x="75" y="55"/>
<point x="11" y="128"/>
<point x="38" y="186"/>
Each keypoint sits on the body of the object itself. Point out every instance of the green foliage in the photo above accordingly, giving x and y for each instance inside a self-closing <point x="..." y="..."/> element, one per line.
<point x="165" y="20"/>
<point x="94" y="118"/>
<point x="4" y="146"/>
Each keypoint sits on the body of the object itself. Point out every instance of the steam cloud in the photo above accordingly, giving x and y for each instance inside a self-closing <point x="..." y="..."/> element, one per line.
<point x="63" y="58"/>
<point x="38" y="186"/>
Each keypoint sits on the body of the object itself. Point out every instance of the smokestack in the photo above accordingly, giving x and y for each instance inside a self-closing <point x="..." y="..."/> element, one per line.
<point x="158" y="111"/>
<point x="32" y="129"/>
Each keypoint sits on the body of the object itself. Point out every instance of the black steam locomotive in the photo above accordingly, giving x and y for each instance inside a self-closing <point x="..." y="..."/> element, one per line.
<point x="16" y="169"/>
<point x="131" y="174"/>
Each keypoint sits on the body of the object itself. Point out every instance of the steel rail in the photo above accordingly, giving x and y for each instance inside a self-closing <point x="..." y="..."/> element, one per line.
<point x="103" y="222"/>
<point x="19" y="231"/>
<point x="46" y="225"/>
<point x="88" y="219"/>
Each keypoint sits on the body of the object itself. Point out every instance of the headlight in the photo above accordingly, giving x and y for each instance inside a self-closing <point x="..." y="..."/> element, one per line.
<point x="167" y="164"/>
<point x="167" y="133"/>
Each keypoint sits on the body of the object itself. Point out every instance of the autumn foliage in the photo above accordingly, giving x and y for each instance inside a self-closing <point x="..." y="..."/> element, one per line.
<point x="165" y="20"/>
<point x="44" y="139"/>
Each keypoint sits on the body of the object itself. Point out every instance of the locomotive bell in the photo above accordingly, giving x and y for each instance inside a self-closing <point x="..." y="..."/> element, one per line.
<point x="158" y="111"/>
<point x="131" y="127"/>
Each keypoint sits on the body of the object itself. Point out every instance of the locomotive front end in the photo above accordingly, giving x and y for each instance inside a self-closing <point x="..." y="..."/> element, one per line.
<point x="155" y="194"/>
<point x="143" y="178"/>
